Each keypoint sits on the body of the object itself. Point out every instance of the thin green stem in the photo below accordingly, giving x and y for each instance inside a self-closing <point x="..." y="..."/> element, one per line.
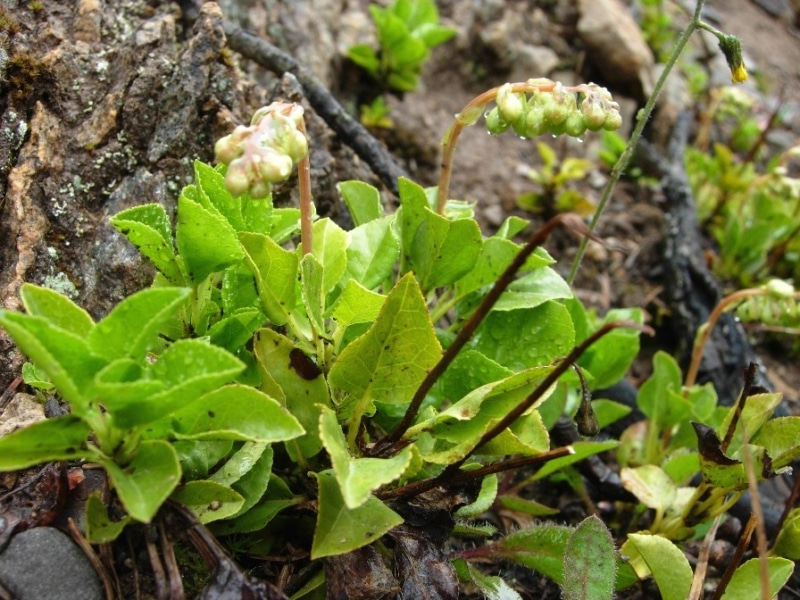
<point x="641" y="120"/>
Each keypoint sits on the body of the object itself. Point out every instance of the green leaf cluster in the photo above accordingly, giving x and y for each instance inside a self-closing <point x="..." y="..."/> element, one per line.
<point x="406" y="31"/>
<point x="254" y="376"/>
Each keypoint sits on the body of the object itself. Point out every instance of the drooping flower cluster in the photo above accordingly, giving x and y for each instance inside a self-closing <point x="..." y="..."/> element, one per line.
<point x="264" y="152"/>
<point x="557" y="110"/>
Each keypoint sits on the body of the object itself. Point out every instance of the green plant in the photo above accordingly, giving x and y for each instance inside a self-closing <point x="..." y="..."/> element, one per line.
<point x="553" y="176"/>
<point x="314" y="395"/>
<point x="377" y="114"/>
<point x="406" y="30"/>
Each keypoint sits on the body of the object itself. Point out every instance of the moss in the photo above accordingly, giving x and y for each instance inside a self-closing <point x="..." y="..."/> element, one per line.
<point x="25" y="72"/>
<point x="36" y="6"/>
<point x="8" y="24"/>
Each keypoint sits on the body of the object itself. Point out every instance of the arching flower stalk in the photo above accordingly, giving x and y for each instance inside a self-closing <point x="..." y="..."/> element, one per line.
<point x="532" y="108"/>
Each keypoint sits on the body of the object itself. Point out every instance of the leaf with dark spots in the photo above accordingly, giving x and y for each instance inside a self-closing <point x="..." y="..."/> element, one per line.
<point x="359" y="575"/>
<point x="710" y="446"/>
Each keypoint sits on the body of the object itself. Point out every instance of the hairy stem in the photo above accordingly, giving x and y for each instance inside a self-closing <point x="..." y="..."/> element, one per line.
<point x="641" y="120"/>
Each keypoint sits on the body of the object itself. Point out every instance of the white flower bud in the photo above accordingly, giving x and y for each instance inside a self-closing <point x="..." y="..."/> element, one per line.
<point x="272" y="166"/>
<point x="613" y="120"/>
<point x="594" y="113"/>
<point x="508" y="103"/>
<point x="779" y="288"/>
<point x="237" y="180"/>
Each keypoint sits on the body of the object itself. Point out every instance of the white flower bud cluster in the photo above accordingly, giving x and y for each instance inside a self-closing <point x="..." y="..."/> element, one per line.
<point x="779" y="307"/>
<point x="556" y="111"/>
<point x="264" y="152"/>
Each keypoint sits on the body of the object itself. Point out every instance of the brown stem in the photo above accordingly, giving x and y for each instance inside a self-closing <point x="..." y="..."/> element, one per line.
<point x="465" y="118"/>
<point x="540" y="390"/>
<point x="419" y="487"/>
<point x="705" y="331"/>
<point x="749" y="382"/>
<point x="304" y="186"/>
<point x="385" y="445"/>
<point x="744" y="542"/>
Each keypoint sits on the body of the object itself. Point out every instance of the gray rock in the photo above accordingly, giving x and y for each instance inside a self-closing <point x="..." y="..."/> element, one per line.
<point x="44" y="564"/>
<point x="615" y="45"/>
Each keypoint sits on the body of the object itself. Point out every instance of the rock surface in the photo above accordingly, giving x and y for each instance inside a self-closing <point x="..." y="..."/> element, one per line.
<point x="44" y="564"/>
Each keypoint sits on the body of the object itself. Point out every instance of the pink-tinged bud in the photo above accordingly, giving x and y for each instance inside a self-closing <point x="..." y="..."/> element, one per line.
<point x="237" y="180"/>
<point x="594" y="113"/>
<point x="272" y="166"/>
<point x="296" y="145"/>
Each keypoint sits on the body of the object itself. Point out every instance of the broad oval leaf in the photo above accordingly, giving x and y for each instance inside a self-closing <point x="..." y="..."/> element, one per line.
<point x="357" y="477"/>
<point x="746" y="581"/>
<point x="372" y="252"/>
<point x="339" y="529"/>
<point x="590" y="566"/>
<point x="63" y="356"/>
<point x="209" y="501"/>
<point x="388" y="363"/>
<point x="56" y="308"/>
<point x="132" y="327"/>
<point x="145" y="484"/>
<point x="148" y="228"/>
<point x="61" y="438"/>
<point x="666" y="562"/>
<point x="189" y="369"/>
<point x="196" y="228"/>
<point x="236" y="412"/>
<point x="362" y="200"/>
<point x="275" y="270"/>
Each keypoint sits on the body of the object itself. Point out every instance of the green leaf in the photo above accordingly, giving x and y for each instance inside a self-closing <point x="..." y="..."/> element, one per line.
<point x="528" y="507"/>
<point x="236" y="412"/>
<point x="781" y="438"/>
<point x="590" y="562"/>
<point x="388" y="363"/>
<point x="540" y="547"/>
<point x="756" y="412"/>
<point x="492" y="587"/>
<point x="234" y="331"/>
<point x="610" y="357"/>
<point x="486" y="497"/>
<point x="356" y="304"/>
<point x="362" y="200"/>
<point x="495" y="255"/>
<point x="132" y="327"/>
<point x="56" y="308"/>
<point x="148" y="228"/>
<point x="746" y="581"/>
<point x="437" y="250"/>
<point x="660" y="397"/>
<point x="372" y="252"/>
<point x="524" y="338"/>
<point x="100" y="529"/>
<point x="469" y="371"/>
<point x="534" y="289"/>
<point x="214" y="195"/>
<point x="240" y="463"/>
<point x="581" y="450"/>
<point x="63" y="356"/>
<point x="145" y="484"/>
<point x="275" y="270"/>
<point x="312" y="275"/>
<point x="357" y="477"/>
<point x="330" y="244"/>
<point x="651" y="485"/>
<point x="364" y="57"/>
<point x="198" y="456"/>
<point x="339" y="529"/>
<point x="209" y="501"/>
<point x="665" y="561"/>
<point x="787" y="544"/>
<point x="189" y="368"/>
<point x="302" y="384"/>
<point x="206" y="241"/>
<point x="61" y="438"/>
